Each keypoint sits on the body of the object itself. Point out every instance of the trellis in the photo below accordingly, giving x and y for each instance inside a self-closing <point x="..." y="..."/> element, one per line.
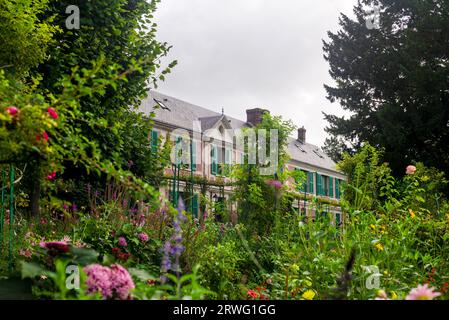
<point x="5" y="185"/>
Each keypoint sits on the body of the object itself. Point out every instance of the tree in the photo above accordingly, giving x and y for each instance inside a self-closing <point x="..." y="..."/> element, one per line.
<point x="120" y="33"/>
<point x="394" y="80"/>
<point x="259" y="196"/>
<point x="95" y="76"/>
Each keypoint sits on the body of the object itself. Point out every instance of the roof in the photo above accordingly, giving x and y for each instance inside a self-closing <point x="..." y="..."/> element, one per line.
<point x="182" y="114"/>
<point x="310" y="154"/>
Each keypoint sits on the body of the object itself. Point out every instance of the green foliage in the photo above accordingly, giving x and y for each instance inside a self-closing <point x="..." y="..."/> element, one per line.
<point x="24" y="36"/>
<point x="397" y="97"/>
<point x="257" y="199"/>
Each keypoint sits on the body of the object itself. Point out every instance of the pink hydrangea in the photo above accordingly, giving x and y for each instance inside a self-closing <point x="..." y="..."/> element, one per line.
<point x="122" y="242"/>
<point x="98" y="280"/>
<point x="422" y="292"/>
<point x="121" y="281"/>
<point x="143" y="237"/>
<point x="112" y="283"/>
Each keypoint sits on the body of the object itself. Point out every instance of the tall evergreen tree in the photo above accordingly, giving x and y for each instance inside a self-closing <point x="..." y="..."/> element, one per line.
<point x="394" y="79"/>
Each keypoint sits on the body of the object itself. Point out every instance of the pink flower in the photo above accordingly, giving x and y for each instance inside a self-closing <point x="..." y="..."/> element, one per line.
<point x="44" y="136"/>
<point x="52" y="113"/>
<point x="113" y="282"/>
<point x="410" y="170"/>
<point x="25" y="253"/>
<point x="122" y="242"/>
<point x="55" y="247"/>
<point x="98" y="280"/>
<point x="51" y="176"/>
<point x="143" y="237"/>
<point x="252" y="294"/>
<point x="121" y="281"/>
<point x="274" y="183"/>
<point x="381" y="295"/>
<point x="12" y="111"/>
<point x="422" y="292"/>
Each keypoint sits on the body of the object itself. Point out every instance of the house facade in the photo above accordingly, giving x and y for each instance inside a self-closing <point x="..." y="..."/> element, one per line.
<point x="205" y="146"/>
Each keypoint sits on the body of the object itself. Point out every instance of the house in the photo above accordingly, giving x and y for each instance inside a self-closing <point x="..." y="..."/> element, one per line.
<point x="211" y="147"/>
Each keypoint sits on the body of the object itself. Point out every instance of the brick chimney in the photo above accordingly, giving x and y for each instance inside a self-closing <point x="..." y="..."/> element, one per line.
<point x="302" y="135"/>
<point x="254" y="116"/>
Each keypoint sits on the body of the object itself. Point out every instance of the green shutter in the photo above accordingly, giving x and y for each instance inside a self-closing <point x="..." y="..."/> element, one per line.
<point x="178" y="149"/>
<point x="331" y="187"/>
<point x="214" y="164"/>
<point x="337" y="188"/>
<point x="193" y="155"/>
<point x="310" y="178"/>
<point x="337" y="219"/>
<point x="154" y="141"/>
<point x="319" y="186"/>
<point x="228" y="162"/>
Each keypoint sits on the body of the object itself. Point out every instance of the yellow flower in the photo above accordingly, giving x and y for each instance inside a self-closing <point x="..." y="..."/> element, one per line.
<point x="412" y="214"/>
<point x="309" y="295"/>
<point x="294" y="267"/>
<point x="447" y="216"/>
<point x="379" y="246"/>
<point x="372" y="226"/>
<point x="394" y="296"/>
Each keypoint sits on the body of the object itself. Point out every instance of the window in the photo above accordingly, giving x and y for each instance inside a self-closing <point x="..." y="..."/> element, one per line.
<point x="154" y="141"/>
<point x="214" y="160"/>
<point x="193" y="157"/>
<point x="228" y="162"/>
<point x="303" y="186"/>
<point x="319" y="184"/>
<point x="337" y="188"/>
<point x="331" y="187"/>
<point x="337" y="219"/>
<point x="161" y="104"/>
<point x="310" y="182"/>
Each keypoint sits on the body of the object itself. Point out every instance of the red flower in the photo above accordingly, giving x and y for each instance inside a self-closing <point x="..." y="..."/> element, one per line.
<point x="151" y="282"/>
<point x="52" y="113"/>
<point x="56" y="247"/>
<point x="12" y="111"/>
<point x="44" y="136"/>
<point x="116" y="250"/>
<point x="51" y="176"/>
<point x="123" y="256"/>
<point x="252" y="294"/>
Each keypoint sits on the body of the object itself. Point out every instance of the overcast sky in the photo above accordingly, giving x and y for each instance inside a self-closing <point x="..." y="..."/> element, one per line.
<point x="240" y="54"/>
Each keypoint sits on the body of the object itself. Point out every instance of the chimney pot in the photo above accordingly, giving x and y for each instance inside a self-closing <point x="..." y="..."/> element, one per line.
<point x="254" y="116"/>
<point x="302" y="135"/>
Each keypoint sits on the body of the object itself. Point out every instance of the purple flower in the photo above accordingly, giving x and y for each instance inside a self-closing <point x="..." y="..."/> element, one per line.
<point x="173" y="247"/>
<point x="65" y="206"/>
<point x="274" y="183"/>
<point x="122" y="242"/>
<point x="143" y="237"/>
<point x="74" y="207"/>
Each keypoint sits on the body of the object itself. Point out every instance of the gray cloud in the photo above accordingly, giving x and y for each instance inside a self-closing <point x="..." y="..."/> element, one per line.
<point x="241" y="54"/>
